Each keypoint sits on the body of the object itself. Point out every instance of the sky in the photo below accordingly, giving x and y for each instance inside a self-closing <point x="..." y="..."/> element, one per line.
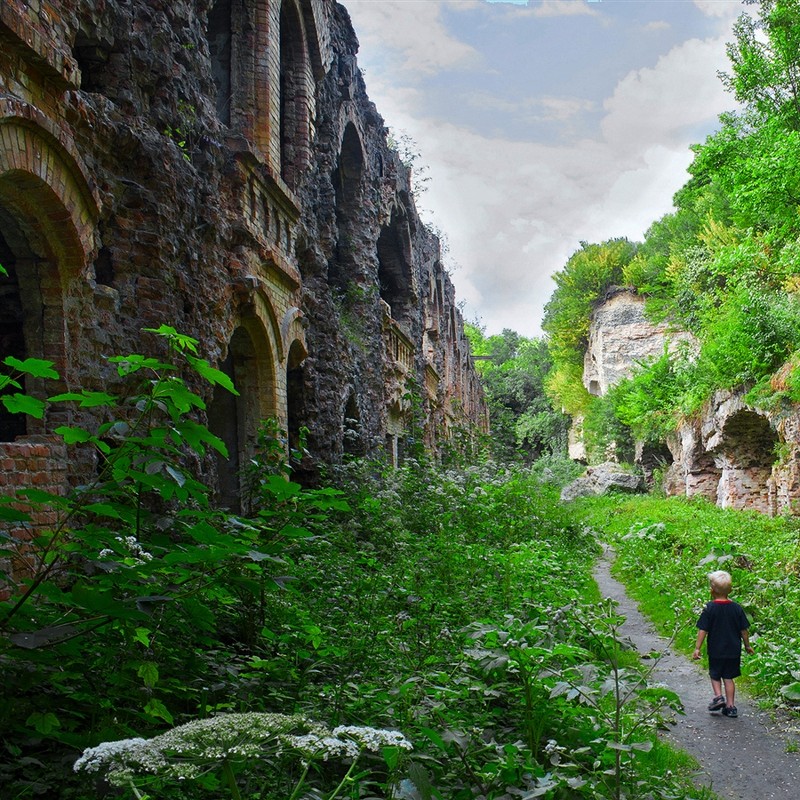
<point x="539" y="124"/>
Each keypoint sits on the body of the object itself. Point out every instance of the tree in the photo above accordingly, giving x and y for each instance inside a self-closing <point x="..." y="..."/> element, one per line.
<point x="513" y="370"/>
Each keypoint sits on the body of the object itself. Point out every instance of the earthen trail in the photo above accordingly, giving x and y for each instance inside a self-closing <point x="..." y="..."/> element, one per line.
<point x="740" y="759"/>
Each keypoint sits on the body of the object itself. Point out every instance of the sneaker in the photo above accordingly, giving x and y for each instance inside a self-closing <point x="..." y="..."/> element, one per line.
<point x="730" y="711"/>
<point x="717" y="703"/>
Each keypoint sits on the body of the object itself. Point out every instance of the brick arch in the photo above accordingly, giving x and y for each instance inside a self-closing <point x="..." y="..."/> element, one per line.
<point x="746" y="455"/>
<point x="47" y="215"/>
<point x="250" y="362"/>
<point x="43" y="178"/>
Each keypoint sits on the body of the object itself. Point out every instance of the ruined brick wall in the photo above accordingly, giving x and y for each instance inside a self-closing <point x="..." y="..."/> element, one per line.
<point x="219" y="167"/>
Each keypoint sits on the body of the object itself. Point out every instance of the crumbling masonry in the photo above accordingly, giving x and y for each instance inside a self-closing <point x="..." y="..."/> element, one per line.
<point x="218" y="166"/>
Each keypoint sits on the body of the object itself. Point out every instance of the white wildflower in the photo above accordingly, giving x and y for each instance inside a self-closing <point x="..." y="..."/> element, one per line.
<point x="373" y="738"/>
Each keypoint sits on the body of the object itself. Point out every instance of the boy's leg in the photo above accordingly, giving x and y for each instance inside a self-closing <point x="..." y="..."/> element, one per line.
<point x="716" y="686"/>
<point x="730" y="692"/>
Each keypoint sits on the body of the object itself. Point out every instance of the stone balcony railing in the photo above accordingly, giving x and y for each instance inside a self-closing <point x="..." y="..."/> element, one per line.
<point x="399" y="347"/>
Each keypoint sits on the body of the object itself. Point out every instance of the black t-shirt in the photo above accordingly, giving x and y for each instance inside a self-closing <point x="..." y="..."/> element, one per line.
<point x="724" y="621"/>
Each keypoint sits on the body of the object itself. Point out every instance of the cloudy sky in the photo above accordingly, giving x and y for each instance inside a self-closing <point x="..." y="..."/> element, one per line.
<point x="542" y="123"/>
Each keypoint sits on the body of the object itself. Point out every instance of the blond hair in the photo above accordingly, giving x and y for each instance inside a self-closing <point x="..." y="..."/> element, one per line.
<point x="721" y="582"/>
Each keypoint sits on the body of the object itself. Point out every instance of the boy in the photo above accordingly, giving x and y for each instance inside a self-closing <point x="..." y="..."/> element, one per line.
<point x="725" y="624"/>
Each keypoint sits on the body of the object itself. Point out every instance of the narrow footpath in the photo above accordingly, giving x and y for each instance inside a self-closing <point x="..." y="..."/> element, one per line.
<point x="740" y="759"/>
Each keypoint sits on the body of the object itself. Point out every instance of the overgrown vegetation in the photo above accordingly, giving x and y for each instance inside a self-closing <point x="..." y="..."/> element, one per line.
<point x="513" y="369"/>
<point x="723" y="266"/>
<point x="446" y="611"/>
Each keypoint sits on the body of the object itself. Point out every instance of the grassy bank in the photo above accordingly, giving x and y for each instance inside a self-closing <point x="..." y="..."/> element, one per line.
<point x="667" y="546"/>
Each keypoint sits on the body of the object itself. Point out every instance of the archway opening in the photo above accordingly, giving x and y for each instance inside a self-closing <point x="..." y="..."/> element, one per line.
<point x="346" y="179"/>
<point x="747" y="455"/>
<point x="12" y="335"/>
<point x="293" y="91"/>
<point x="394" y="267"/>
<point x="296" y="413"/>
<point x="352" y="433"/>
<point x="235" y="419"/>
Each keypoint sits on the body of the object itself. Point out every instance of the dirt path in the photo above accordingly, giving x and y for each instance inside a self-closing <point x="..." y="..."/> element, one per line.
<point x="740" y="759"/>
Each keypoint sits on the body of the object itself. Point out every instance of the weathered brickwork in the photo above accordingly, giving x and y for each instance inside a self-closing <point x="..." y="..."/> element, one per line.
<point x="218" y="166"/>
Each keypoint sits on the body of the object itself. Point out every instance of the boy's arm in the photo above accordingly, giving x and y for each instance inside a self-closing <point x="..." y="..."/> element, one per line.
<point x="746" y="639"/>
<point x="701" y="636"/>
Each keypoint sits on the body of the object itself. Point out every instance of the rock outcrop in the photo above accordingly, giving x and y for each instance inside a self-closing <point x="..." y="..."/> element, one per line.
<point x="734" y="454"/>
<point x="600" y="479"/>
<point x="620" y="336"/>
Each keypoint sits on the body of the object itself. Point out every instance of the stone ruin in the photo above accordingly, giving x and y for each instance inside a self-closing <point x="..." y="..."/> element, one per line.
<point x="734" y="454"/>
<point x="218" y="166"/>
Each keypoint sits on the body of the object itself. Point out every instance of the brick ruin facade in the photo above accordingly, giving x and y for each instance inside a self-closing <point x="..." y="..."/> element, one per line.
<point x="218" y="166"/>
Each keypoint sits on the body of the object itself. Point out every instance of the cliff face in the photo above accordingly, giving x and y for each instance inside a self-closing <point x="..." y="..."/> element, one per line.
<point x="219" y="167"/>
<point x="620" y="335"/>
<point x="736" y="455"/>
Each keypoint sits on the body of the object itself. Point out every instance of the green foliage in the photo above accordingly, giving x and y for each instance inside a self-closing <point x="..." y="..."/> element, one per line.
<point x="451" y="605"/>
<point x="585" y="277"/>
<point x="666" y="548"/>
<point x="725" y="265"/>
<point x="514" y="369"/>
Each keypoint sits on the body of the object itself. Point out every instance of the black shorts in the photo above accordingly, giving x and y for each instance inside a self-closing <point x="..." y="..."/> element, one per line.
<point x="720" y="668"/>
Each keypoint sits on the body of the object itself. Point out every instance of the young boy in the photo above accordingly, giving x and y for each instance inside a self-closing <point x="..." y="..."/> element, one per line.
<point x="725" y="624"/>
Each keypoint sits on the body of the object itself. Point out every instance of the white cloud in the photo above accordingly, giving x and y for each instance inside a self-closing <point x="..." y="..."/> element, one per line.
<point x="663" y="103"/>
<point x="413" y="30"/>
<point x="535" y="109"/>
<point x="559" y="8"/>
<point x="722" y="9"/>
<point x="514" y="211"/>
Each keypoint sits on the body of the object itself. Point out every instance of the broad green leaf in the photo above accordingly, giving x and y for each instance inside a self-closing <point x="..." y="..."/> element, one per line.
<point x="43" y="722"/>
<point x="142" y="635"/>
<point x="36" y="367"/>
<point x="127" y="365"/>
<point x="434" y="737"/>
<point x="197" y="436"/>
<point x="155" y="708"/>
<point x="74" y="435"/>
<point x="24" y="404"/>
<point x="212" y="375"/>
<point x="8" y="514"/>
<point x="179" y="394"/>
<point x="791" y="691"/>
<point x="86" y="399"/>
<point x="148" y="672"/>
<point x="180" y="341"/>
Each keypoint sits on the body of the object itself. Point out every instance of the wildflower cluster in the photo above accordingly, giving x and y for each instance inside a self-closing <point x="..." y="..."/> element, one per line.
<point x="137" y="555"/>
<point x="190" y="750"/>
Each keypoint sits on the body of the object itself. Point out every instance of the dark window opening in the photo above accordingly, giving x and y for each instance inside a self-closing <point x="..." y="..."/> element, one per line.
<point x="394" y="268"/>
<point x="352" y="436"/>
<point x="12" y="337"/>
<point x="346" y="179"/>
<point x="223" y="422"/>
<point x="220" y="38"/>
<point x="302" y="471"/>
<point x="104" y="268"/>
<point x="92" y="57"/>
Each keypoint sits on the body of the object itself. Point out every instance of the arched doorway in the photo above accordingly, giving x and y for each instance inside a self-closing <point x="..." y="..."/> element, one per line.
<point x="346" y="179"/>
<point x="236" y="419"/>
<point x="12" y="333"/>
